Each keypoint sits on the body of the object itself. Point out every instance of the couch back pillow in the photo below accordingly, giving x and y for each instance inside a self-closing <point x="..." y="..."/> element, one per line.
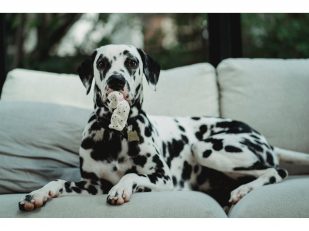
<point x="39" y="86"/>
<point x="272" y="95"/>
<point x="39" y="142"/>
<point x="184" y="91"/>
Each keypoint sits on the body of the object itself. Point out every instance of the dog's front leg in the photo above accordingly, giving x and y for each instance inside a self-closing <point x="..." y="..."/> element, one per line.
<point x="154" y="176"/>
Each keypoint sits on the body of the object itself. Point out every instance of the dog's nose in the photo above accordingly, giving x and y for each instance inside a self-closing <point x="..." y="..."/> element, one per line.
<point x="116" y="82"/>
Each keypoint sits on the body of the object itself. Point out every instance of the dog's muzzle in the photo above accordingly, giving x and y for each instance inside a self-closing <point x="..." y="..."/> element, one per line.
<point x="116" y="82"/>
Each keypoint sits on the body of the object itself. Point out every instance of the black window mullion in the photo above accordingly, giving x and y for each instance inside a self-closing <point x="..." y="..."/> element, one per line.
<point x="224" y="37"/>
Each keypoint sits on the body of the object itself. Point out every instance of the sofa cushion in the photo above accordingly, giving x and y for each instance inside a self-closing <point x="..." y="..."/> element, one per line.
<point x="286" y="199"/>
<point x="189" y="90"/>
<point x="39" y="86"/>
<point x="39" y="142"/>
<point x="184" y="91"/>
<point x="269" y="94"/>
<point x="151" y="204"/>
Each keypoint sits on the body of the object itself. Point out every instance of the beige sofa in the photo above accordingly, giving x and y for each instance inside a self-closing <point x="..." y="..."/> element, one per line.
<point x="42" y="116"/>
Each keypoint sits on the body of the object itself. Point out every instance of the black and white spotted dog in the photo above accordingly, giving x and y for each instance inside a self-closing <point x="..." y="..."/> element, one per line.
<point x="222" y="157"/>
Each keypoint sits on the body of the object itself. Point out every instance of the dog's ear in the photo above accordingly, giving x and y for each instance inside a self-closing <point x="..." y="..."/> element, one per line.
<point x="85" y="71"/>
<point x="151" y="68"/>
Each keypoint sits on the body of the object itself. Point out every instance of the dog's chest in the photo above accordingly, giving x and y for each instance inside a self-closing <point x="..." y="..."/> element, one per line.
<point x="109" y="169"/>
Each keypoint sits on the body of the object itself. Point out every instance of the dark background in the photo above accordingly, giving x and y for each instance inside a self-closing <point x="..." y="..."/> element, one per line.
<point x="33" y="41"/>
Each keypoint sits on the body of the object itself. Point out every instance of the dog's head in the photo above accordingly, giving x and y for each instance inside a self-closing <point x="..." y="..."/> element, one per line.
<point x="118" y="68"/>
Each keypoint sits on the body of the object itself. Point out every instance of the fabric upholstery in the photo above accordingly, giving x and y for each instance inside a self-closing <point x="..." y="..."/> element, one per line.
<point x="287" y="199"/>
<point x="39" y="142"/>
<point x="39" y="86"/>
<point x="184" y="91"/>
<point x="269" y="94"/>
<point x="152" y="204"/>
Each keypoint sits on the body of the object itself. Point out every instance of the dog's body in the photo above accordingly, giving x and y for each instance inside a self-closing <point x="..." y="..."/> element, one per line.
<point x="222" y="157"/>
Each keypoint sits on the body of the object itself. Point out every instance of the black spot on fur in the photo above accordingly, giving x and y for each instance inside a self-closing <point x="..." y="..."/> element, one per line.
<point x="134" y="148"/>
<point x="272" y="180"/>
<point x="76" y="189"/>
<point x="164" y="149"/>
<point x="184" y="139"/>
<point x="217" y="144"/>
<point x="81" y="184"/>
<point x="181" y="128"/>
<point x="202" y="130"/>
<point x="148" y="131"/>
<point x="146" y="189"/>
<point x="108" y="148"/>
<point x="92" y="117"/>
<point x="174" y="148"/>
<point x="282" y="173"/>
<point x="174" y="180"/>
<point x="233" y="127"/>
<point x="196" y="118"/>
<point x="207" y="153"/>
<point x="255" y="148"/>
<point x="230" y="148"/>
<point x="87" y="143"/>
<point x="186" y="172"/>
<point x="105" y="185"/>
<point x="181" y="183"/>
<point x="159" y="170"/>
<point x="140" y="160"/>
<point x="92" y="190"/>
<point x="269" y="158"/>
<point x="256" y="166"/>
<point x="67" y="186"/>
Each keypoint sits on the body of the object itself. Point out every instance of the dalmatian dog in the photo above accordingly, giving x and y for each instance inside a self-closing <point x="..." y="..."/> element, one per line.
<point x="221" y="157"/>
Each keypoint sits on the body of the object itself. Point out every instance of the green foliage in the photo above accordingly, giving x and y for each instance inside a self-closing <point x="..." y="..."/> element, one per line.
<point x="275" y="35"/>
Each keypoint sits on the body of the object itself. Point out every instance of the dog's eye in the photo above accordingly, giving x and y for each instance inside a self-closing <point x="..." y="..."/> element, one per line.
<point x="102" y="64"/>
<point x="131" y="63"/>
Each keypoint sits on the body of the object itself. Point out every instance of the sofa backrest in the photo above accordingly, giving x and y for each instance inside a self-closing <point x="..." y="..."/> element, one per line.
<point x="39" y="86"/>
<point x="272" y="95"/>
<point x="183" y="91"/>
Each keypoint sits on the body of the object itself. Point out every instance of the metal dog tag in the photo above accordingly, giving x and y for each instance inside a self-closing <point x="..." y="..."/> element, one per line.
<point x="133" y="136"/>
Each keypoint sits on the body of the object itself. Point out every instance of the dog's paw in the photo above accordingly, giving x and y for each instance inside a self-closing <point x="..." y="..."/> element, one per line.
<point x="35" y="199"/>
<point x="239" y="193"/>
<point x="119" y="194"/>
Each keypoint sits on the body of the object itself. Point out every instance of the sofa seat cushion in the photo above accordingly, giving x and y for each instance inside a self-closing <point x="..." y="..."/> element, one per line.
<point x="269" y="94"/>
<point x="151" y="204"/>
<point x="286" y="199"/>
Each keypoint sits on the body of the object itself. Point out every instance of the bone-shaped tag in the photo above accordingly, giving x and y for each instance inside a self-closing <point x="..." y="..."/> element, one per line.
<point x="133" y="136"/>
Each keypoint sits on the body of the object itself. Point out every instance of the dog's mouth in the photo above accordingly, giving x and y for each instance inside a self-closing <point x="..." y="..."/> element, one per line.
<point x="124" y="92"/>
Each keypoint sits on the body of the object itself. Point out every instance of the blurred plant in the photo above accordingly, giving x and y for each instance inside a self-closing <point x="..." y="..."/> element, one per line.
<point x="190" y="35"/>
<point x="33" y="40"/>
<point x="275" y="35"/>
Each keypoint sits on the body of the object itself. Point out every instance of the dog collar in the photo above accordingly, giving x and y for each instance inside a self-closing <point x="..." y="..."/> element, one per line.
<point x="128" y="132"/>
